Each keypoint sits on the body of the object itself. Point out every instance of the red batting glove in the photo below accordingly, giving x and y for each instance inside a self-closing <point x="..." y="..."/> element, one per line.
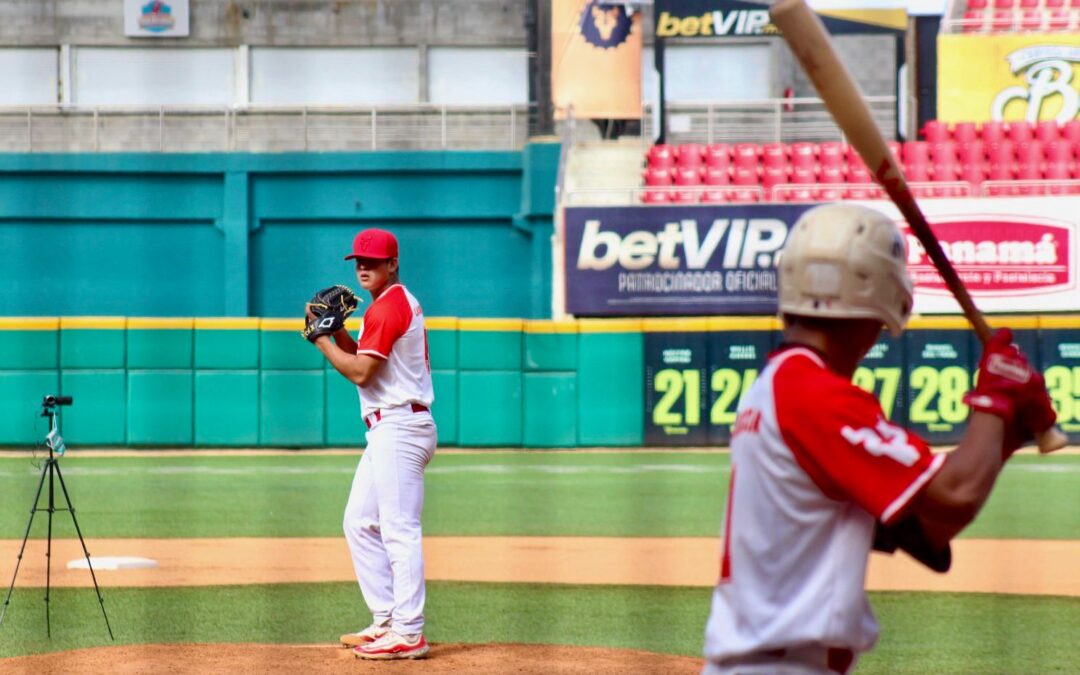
<point x="1011" y="389"/>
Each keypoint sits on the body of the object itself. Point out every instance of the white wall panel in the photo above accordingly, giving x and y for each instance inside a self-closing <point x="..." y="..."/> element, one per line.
<point x="153" y="76"/>
<point x="334" y="76"/>
<point x="718" y="72"/>
<point x="29" y="76"/>
<point x="477" y="76"/>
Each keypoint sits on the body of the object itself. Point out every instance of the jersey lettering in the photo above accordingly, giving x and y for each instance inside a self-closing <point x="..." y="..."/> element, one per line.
<point x="884" y="440"/>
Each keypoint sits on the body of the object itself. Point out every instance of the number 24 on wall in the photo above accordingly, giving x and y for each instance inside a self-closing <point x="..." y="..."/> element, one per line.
<point x="727" y="383"/>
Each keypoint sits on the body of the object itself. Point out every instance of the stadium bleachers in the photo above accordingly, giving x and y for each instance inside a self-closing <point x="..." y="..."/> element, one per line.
<point x="1019" y="16"/>
<point x="954" y="160"/>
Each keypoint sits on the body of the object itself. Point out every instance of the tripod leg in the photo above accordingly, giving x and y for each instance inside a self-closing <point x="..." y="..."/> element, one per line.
<point x="18" y="560"/>
<point x="48" y="548"/>
<point x="90" y="565"/>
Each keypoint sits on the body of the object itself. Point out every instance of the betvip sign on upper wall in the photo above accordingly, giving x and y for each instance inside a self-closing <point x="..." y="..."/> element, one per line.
<point x="746" y="18"/>
<point x="1015" y="255"/>
<point x="1008" y="77"/>
<point x="156" y="18"/>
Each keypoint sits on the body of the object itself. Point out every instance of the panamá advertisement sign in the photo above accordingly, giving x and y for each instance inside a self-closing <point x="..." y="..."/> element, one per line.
<point x="1015" y="255"/>
<point x="1008" y="77"/>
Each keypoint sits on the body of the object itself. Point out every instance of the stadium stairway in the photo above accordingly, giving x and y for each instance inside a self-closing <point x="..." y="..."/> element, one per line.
<point x="598" y="172"/>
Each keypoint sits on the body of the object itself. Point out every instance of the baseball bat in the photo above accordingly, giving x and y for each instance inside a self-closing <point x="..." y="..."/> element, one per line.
<point x="806" y="35"/>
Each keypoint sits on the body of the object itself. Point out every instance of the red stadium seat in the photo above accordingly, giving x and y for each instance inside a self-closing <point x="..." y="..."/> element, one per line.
<point x="1047" y="131"/>
<point x="1001" y="172"/>
<point x="713" y="197"/>
<point x="1000" y="152"/>
<point x="860" y="183"/>
<point x="1057" y="171"/>
<point x="1002" y="20"/>
<point x="915" y="152"/>
<point x="977" y="4"/>
<point x="834" y="177"/>
<point x="803" y="155"/>
<point x="655" y="197"/>
<point x="771" y="176"/>
<point x="1019" y="131"/>
<point x="1028" y="172"/>
<point x="1060" y="150"/>
<point x="973" y="20"/>
<point x="1058" y="20"/>
<point x="935" y="131"/>
<point x="745" y="176"/>
<point x="1053" y="4"/>
<point x="943" y="151"/>
<point x="661" y="157"/>
<point x="687" y="197"/>
<point x="1029" y="4"/>
<point x="1031" y="19"/>
<point x="687" y="176"/>
<point x="716" y="176"/>
<point x="831" y="153"/>
<point x="746" y="155"/>
<point x="992" y="131"/>
<point x="689" y="155"/>
<point x="774" y="155"/>
<point x="917" y="171"/>
<point x="657" y="177"/>
<point x="1004" y="4"/>
<point x="964" y="132"/>
<point x="1030" y="152"/>
<point x="945" y="171"/>
<point x="973" y="173"/>
<point x="971" y="152"/>
<point x="718" y="155"/>
<point x="1071" y="130"/>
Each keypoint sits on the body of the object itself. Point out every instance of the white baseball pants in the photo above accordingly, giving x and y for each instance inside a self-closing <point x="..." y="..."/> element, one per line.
<point x="382" y="518"/>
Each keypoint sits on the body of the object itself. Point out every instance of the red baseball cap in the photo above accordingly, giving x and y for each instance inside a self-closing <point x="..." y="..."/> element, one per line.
<point x="374" y="243"/>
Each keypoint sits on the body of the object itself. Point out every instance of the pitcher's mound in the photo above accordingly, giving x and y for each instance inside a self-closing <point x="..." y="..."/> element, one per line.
<point x="484" y="659"/>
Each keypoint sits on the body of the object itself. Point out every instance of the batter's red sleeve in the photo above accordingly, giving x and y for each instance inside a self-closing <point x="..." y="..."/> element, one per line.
<point x="840" y="437"/>
<point x="384" y="322"/>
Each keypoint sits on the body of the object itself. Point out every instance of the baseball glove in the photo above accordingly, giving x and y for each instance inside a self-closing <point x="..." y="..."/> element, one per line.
<point x="327" y="311"/>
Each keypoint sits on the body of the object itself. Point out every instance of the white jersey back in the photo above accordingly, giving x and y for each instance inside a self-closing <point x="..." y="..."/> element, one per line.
<point x="814" y="464"/>
<point x="393" y="330"/>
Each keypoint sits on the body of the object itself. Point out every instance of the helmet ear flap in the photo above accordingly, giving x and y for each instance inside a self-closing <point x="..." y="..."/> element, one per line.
<point x="846" y="261"/>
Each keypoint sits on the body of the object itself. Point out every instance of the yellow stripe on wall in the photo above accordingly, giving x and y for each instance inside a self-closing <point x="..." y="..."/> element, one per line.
<point x="939" y="322"/>
<point x="441" y="322"/>
<point x="282" y="324"/>
<point x="96" y="322"/>
<point x="1028" y="322"/>
<point x="609" y="325"/>
<point x="1063" y="321"/>
<point x="29" y="323"/>
<point x="227" y="323"/>
<point x="722" y="323"/>
<point x="490" y="324"/>
<point x="549" y="327"/>
<point x="676" y="325"/>
<point x="157" y="323"/>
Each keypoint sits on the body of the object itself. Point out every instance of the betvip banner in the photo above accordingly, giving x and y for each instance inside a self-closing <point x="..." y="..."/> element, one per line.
<point x="1015" y="255"/>
<point x="156" y="18"/>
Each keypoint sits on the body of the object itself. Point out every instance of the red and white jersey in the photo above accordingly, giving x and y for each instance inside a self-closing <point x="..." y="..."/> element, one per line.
<point x="814" y="464"/>
<point x="393" y="330"/>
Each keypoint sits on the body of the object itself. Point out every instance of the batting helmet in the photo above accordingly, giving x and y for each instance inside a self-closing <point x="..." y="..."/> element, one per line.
<point x="846" y="261"/>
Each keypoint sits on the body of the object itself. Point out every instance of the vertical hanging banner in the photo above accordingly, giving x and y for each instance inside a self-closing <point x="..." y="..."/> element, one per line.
<point x="156" y="18"/>
<point x="596" y="60"/>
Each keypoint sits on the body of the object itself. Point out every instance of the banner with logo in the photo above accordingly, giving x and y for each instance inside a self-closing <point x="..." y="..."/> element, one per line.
<point x="596" y="60"/>
<point x="156" y="18"/>
<point x="1015" y="255"/>
<point x="741" y="18"/>
<point x="1008" y="77"/>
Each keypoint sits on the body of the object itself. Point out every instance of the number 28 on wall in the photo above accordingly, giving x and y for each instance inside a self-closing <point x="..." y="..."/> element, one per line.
<point x="684" y="386"/>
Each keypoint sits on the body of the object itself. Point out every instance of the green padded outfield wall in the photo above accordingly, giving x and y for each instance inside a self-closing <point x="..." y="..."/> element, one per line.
<point x="246" y="382"/>
<point x="235" y="235"/>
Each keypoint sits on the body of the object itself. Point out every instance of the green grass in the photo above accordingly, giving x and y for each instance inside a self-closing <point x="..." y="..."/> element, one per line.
<point x="921" y="632"/>
<point x="497" y="493"/>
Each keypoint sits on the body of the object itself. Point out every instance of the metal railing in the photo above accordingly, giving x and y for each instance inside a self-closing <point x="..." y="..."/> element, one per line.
<point x="783" y="120"/>
<point x="263" y="129"/>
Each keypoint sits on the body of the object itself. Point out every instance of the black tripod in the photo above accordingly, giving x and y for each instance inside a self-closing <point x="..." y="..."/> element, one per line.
<point x="52" y="469"/>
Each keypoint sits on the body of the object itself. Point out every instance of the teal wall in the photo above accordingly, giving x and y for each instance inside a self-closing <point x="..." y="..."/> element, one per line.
<point x="250" y="382"/>
<point x="256" y="234"/>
